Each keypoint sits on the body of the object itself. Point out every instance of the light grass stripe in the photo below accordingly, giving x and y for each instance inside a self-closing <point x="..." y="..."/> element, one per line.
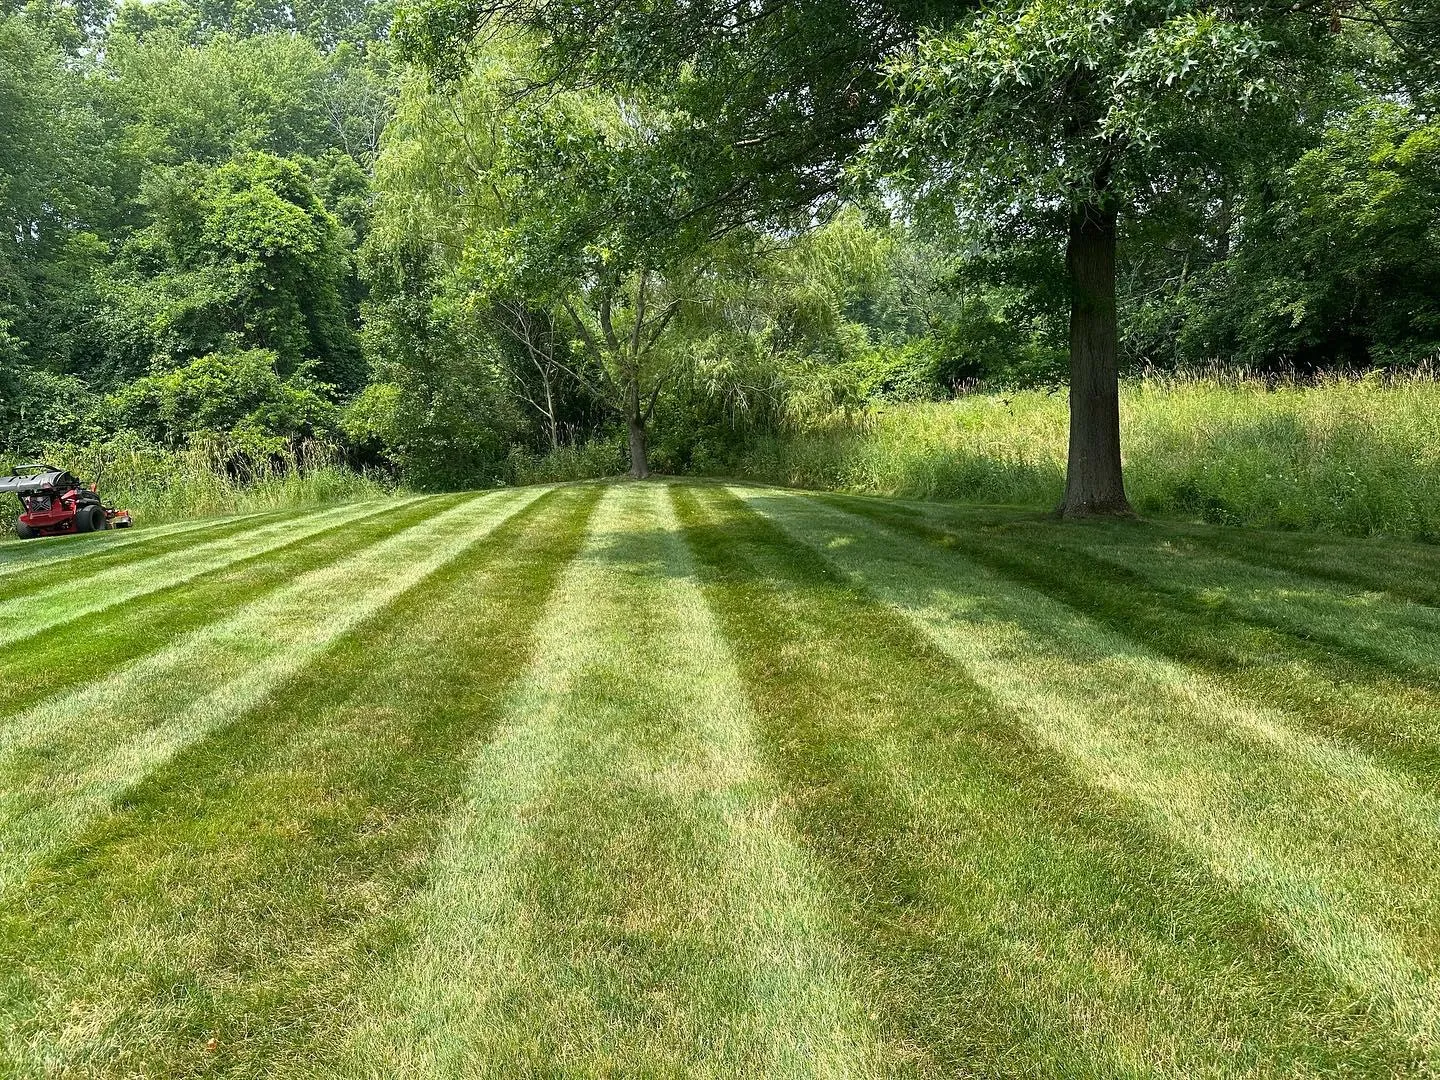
<point x="32" y="613"/>
<point x="79" y="572"/>
<point x="1342" y="850"/>
<point x="18" y="556"/>
<point x="66" y="759"/>
<point x="619" y="893"/>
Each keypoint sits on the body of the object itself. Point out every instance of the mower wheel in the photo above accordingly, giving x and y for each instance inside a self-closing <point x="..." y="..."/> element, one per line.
<point x="89" y="519"/>
<point x="23" y="531"/>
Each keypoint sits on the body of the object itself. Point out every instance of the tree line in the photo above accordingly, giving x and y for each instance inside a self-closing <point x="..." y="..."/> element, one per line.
<point x="450" y="239"/>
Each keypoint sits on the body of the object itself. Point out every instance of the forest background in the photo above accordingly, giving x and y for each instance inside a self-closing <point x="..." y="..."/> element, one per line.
<point x="261" y="253"/>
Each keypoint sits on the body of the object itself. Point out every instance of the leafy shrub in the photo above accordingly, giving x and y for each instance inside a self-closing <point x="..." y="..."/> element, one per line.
<point x="445" y="431"/>
<point x="1340" y="260"/>
<point x="235" y="256"/>
<point x="585" y="461"/>
<point x="239" y="397"/>
<point x="38" y="406"/>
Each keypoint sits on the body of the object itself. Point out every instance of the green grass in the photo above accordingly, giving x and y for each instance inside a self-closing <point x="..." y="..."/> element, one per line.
<point x="715" y="780"/>
<point x="1355" y="456"/>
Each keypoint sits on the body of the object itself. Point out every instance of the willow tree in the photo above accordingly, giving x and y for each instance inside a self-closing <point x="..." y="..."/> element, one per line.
<point x="540" y="208"/>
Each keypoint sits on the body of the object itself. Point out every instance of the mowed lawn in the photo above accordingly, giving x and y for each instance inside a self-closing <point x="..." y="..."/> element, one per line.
<point x="697" y="780"/>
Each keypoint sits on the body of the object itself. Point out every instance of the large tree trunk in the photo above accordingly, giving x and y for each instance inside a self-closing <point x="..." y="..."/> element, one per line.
<point x="635" y="420"/>
<point x="1093" y="480"/>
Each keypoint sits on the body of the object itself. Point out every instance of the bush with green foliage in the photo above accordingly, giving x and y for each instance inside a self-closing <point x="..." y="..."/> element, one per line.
<point x="573" y="461"/>
<point x="240" y="255"/>
<point x="437" y="412"/>
<point x="237" y="398"/>
<point x="184" y="201"/>
<point x="1338" y="264"/>
<point x="46" y="406"/>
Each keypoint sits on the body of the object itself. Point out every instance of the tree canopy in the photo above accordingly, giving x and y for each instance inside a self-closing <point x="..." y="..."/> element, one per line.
<point x="494" y="229"/>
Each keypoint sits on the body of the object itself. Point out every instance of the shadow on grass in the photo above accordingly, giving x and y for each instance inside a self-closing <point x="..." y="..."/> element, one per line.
<point x="1353" y="689"/>
<point x="989" y="892"/>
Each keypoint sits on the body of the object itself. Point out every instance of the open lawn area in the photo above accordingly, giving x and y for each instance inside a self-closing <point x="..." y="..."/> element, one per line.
<point x="683" y="779"/>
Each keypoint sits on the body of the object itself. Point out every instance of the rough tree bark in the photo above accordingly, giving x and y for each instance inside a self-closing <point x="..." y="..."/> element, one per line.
<point x="1094" y="484"/>
<point x="635" y="421"/>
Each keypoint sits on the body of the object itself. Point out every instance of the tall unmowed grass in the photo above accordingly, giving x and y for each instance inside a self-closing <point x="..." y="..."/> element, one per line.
<point x="1359" y="456"/>
<point x="161" y="485"/>
<point x="569" y="461"/>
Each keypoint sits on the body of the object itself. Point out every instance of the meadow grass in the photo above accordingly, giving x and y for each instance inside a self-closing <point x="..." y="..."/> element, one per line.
<point x="1356" y="456"/>
<point x="160" y="486"/>
<point x="718" y="780"/>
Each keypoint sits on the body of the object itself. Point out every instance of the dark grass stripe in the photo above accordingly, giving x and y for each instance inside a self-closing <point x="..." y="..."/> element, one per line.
<point x="1108" y="546"/>
<point x="1405" y="571"/>
<point x="62" y="601"/>
<point x="20" y="577"/>
<point x="1389" y="637"/>
<point x="70" y="654"/>
<point x="1400" y="569"/>
<point x="1037" y="928"/>
<point x="234" y="892"/>
<point x="1383" y="707"/>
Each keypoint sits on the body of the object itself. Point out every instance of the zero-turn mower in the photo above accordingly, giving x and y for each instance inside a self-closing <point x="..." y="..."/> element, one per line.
<point x="56" y="503"/>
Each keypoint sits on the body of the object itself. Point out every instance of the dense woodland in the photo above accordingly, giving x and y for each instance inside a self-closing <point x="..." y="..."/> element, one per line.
<point x="444" y="242"/>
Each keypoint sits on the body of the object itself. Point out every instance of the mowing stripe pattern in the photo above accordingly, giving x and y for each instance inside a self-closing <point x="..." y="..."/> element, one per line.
<point x="615" y="846"/>
<point x="75" y="753"/>
<point x="230" y="893"/>
<point x="38" y="554"/>
<point x="67" y="600"/>
<point x="1221" y="775"/>
<point x="711" y="780"/>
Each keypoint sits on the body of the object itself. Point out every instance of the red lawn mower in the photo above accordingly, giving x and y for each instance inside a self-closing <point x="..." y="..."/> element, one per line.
<point x="57" y="503"/>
